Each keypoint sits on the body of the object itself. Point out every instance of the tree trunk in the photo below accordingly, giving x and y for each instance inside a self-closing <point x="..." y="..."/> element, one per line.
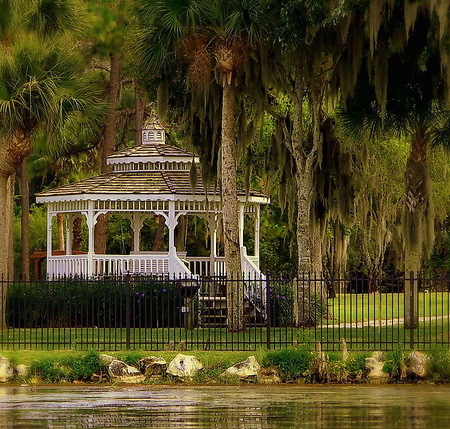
<point x="303" y="184"/>
<point x="4" y="245"/>
<point x="108" y="146"/>
<point x="77" y="237"/>
<point x="180" y="234"/>
<point x="235" y="297"/>
<point x="157" y="244"/>
<point x="309" y="247"/>
<point x="12" y="153"/>
<point x="417" y="224"/>
<point x="11" y="189"/>
<point x="25" y="221"/>
<point x="139" y="115"/>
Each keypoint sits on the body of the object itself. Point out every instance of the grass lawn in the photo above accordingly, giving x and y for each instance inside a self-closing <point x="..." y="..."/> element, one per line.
<point x="363" y="307"/>
<point x="362" y="337"/>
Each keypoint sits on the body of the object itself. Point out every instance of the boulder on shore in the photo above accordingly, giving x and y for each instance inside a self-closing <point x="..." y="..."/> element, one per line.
<point x="119" y="371"/>
<point x="417" y="365"/>
<point x="153" y="366"/>
<point x="375" y="364"/>
<point x="184" y="366"/>
<point x="105" y="360"/>
<point x="6" y="370"/>
<point x="269" y="376"/>
<point x="246" y="370"/>
<point x="22" y="371"/>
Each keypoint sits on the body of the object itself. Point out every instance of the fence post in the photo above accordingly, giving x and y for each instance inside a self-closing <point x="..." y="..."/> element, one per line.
<point x="268" y="315"/>
<point x="127" y="312"/>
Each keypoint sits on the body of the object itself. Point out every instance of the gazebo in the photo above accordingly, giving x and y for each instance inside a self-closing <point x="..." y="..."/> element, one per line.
<point x="149" y="179"/>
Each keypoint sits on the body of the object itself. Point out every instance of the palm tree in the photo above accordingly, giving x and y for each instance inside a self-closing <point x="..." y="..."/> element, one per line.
<point x="211" y="38"/>
<point x="39" y="86"/>
<point x="415" y="109"/>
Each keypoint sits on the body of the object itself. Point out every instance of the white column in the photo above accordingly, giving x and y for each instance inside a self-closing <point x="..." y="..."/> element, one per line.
<point x="49" y="241"/>
<point x="257" y="233"/>
<point x="241" y="225"/>
<point x="136" y="225"/>
<point x="171" y="222"/>
<point x="91" y="225"/>
<point x="213" y="234"/>
<point x="69" y="233"/>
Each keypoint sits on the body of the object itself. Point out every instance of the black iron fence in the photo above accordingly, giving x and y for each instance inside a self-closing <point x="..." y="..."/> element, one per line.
<point x="157" y="313"/>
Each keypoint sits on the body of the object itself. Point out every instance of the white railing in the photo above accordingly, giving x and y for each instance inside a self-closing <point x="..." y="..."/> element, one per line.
<point x="177" y="267"/>
<point x="249" y="268"/>
<point x="254" y="284"/>
<point x="159" y="263"/>
<point x="200" y="265"/>
<point x="67" y="265"/>
<point x="116" y="265"/>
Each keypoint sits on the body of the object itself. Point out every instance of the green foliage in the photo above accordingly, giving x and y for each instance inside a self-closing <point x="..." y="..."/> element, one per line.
<point x="356" y="367"/>
<point x="69" y="368"/>
<point x="281" y="303"/>
<point x="130" y="358"/>
<point x="291" y="364"/>
<point x="318" y="309"/>
<point x="439" y="364"/>
<point x="95" y="304"/>
<point x="394" y="363"/>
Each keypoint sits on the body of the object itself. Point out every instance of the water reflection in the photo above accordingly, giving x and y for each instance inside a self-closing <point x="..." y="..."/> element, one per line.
<point x="226" y="407"/>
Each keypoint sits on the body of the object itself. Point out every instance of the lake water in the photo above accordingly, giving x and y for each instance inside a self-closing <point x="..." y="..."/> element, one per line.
<point x="226" y="406"/>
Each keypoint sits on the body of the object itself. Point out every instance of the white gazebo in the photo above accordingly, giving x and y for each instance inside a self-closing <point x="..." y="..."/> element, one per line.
<point x="150" y="179"/>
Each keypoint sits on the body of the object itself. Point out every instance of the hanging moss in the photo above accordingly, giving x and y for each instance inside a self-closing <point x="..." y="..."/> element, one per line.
<point x="162" y="100"/>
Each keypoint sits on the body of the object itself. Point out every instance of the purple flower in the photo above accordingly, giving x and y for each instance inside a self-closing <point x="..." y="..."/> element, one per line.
<point x="143" y="295"/>
<point x="139" y="300"/>
<point x="164" y="290"/>
<point x="137" y="293"/>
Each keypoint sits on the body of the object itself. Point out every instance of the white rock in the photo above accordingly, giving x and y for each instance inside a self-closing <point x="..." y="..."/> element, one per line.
<point x="153" y="366"/>
<point x="121" y="372"/>
<point x="375" y="364"/>
<point x="417" y="365"/>
<point x="6" y="370"/>
<point x="184" y="366"/>
<point x="248" y="369"/>
<point x="23" y="371"/>
<point x="105" y="360"/>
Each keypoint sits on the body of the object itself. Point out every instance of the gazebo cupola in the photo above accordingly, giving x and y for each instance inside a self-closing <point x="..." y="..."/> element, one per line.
<point x="153" y="133"/>
<point x="147" y="180"/>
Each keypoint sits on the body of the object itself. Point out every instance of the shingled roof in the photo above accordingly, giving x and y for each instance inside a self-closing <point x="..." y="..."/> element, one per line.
<point x="146" y="182"/>
<point x="150" y="151"/>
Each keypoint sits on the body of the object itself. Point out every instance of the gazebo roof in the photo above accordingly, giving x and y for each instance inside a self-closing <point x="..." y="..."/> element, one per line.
<point x="149" y="152"/>
<point x="151" y="171"/>
<point x="162" y="182"/>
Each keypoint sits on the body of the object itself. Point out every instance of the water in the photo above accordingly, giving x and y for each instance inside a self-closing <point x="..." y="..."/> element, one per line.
<point x="226" y="407"/>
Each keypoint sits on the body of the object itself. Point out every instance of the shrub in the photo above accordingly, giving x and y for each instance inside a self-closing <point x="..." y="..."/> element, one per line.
<point x="393" y="365"/>
<point x="356" y="367"/>
<point x="281" y="303"/>
<point x="69" y="368"/>
<point x="318" y="309"/>
<point x="94" y="303"/>
<point x="291" y="364"/>
<point x="439" y="367"/>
